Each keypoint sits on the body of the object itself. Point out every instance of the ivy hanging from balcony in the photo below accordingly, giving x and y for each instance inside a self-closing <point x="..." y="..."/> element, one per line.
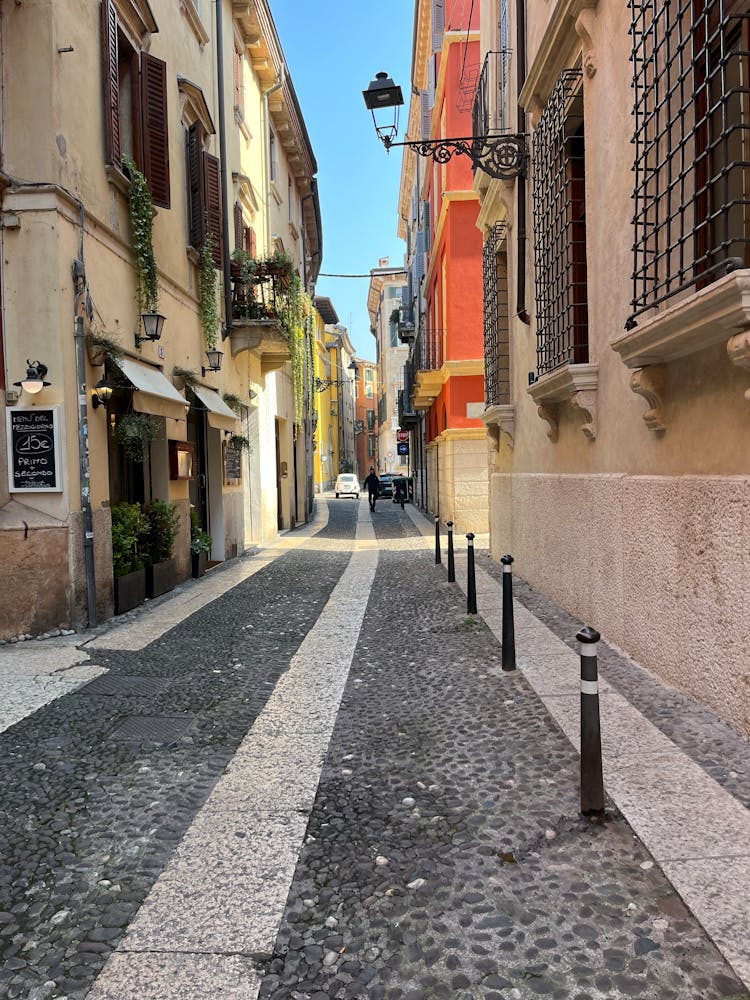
<point x="141" y="212"/>
<point x="207" y="307"/>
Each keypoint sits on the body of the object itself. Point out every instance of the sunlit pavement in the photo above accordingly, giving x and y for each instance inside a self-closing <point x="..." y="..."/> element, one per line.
<point x="306" y="776"/>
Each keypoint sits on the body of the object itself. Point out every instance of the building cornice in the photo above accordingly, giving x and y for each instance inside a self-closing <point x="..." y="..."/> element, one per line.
<point x="558" y="49"/>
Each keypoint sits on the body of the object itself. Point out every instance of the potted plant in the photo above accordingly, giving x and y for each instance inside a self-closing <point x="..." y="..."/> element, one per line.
<point x="101" y="348"/>
<point x="160" y="530"/>
<point x="127" y="561"/>
<point x="135" y="432"/>
<point x="200" y="545"/>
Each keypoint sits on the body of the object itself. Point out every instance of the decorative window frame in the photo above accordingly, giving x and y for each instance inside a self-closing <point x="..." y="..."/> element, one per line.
<point x="193" y="18"/>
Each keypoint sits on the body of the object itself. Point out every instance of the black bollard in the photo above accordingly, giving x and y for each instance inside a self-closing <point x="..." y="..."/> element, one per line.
<point x="509" y="633"/>
<point x="437" y="540"/>
<point x="471" y="584"/>
<point x="592" y="782"/>
<point x="451" y="560"/>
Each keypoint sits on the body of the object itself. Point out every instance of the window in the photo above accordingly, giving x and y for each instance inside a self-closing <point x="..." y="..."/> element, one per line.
<point x="204" y="194"/>
<point x="371" y="420"/>
<point x="371" y="446"/>
<point x="244" y="236"/>
<point x="239" y="83"/>
<point x="496" y="324"/>
<point x="560" y="228"/>
<point x="369" y="382"/>
<point x="135" y="103"/>
<point x="691" y="68"/>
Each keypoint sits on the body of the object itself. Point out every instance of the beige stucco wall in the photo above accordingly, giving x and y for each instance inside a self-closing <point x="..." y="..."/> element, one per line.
<point x="460" y="458"/>
<point x="658" y="564"/>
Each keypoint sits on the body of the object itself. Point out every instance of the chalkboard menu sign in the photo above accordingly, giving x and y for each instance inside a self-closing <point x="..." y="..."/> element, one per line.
<point x="33" y="450"/>
<point x="232" y="466"/>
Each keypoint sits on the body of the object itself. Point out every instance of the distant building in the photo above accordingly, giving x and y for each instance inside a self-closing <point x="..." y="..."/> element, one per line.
<point x="384" y="302"/>
<point x="366" y="417"/>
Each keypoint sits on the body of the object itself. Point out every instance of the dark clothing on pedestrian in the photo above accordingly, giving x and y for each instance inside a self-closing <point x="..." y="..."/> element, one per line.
<point x="372" y="485"/>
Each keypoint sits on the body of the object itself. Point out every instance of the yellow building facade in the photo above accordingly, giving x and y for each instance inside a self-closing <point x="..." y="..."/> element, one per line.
<point x="216" y="130"/>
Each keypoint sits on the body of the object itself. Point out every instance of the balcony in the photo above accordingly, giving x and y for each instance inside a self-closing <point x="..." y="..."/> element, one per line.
<point x="407" y="415"/>
<point x="425" y="367"/>
<point x="406" y="326"/>
<point x="258" y="301"/>
<point x="488" y="113"/>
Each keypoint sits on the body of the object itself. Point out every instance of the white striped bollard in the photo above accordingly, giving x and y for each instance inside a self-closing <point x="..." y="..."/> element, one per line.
<point x="471" y="583"/>
<point x="509" y="632"/>
<point x="438" y="558"/>
<point x="451" y="559"/>
<point x="592" y="782"/>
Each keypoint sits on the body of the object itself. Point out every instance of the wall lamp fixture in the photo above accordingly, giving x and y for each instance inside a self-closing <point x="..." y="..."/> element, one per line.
<point x="321" y="384"/>
<point x="34" y="381"/>
<point x="503" y="156"/>
<point x="214" y="361"/>
<point x="102" y="393"/>
<point x="152" y="327"/>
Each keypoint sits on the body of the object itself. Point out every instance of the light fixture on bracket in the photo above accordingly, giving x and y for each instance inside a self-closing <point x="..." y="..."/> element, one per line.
<point x="321" y="384"/>
<point x="503" y="156"/>
<point x="152" y="327"/>
<point x="214" y="361"/>
<point x="102" y="393"/>
<point x="34" y="381"/>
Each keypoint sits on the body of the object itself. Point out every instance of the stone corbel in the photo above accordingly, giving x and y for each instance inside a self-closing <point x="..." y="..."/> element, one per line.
<point x="585" y="401"/>
<point x="583" y="30"/>
<point x="497" y="418"/>
<point x="551" y="413"/>
<point x="738" y="349"/>
<point x="651" y="383"/>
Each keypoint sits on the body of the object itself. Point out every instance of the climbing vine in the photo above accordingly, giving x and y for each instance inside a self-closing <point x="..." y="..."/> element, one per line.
<point x="141" y="211"/>
<point x="207" y="306"/>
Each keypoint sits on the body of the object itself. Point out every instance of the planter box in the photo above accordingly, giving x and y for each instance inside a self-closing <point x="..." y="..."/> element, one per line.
<point x="160" y="578"/>
<point x="199" y="563"/>
<point x="130" y="591"/>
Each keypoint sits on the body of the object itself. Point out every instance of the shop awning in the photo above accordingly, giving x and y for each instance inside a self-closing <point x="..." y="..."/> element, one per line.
<point x="218" y="413"/>
<point x="154" y="393"/>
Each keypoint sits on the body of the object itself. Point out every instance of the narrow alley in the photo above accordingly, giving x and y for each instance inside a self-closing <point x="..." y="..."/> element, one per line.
<point x="306" y="776"/>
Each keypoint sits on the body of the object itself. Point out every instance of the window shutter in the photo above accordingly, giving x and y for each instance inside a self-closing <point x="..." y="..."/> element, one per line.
<point x="250" y="241"/>
<point x="155" y="127"/>
<point x="419" y="259"/>
<point x="111" y="84"/>
<point x="438" y="24"/>
<point x="426" y="112"/>
<point x="196" y="205"/>
<point x="239" y="229"/>
<point x="212" y="203"/>
<point x="431" y="82"/>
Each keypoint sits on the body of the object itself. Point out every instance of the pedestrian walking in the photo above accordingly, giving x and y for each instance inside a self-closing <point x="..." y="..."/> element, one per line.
<point x="372" y="485"/>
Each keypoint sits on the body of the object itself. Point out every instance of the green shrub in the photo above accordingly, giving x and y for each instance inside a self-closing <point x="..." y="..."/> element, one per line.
<point x="162" y="521"/>
<point x="128" y="525"/>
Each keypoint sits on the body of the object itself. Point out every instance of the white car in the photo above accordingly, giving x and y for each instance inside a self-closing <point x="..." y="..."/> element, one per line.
<point x="347" y="484"/>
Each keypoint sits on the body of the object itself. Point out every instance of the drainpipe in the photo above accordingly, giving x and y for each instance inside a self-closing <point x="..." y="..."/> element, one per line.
<point x="85" y="470"/>
<point x="267" y="114"/>
<point x="226" y="262"/>
<point x="521" y="199"/>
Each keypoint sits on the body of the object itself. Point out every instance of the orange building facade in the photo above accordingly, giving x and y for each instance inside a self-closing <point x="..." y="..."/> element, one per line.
<point x="366" y="417"/>
<point x="443" y="320"/>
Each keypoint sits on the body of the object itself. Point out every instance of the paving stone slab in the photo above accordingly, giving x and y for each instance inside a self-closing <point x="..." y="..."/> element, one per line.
<point x="163" y="976"/>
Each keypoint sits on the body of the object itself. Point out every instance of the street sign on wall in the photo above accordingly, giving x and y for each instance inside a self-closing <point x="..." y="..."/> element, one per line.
<point x="403" y="448"/>
<point x="402" y="435"/>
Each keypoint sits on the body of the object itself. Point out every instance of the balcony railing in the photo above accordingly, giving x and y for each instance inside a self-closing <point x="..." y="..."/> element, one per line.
<point x="488" y="116"/>
<point x="407" y="415"/>
<point x="260" y="297"/>
<point x="405" y="325"/>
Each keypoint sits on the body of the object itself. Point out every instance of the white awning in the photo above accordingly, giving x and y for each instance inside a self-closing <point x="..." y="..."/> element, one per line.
<point x="219" y="414"/>
<point x="154" y="393"/>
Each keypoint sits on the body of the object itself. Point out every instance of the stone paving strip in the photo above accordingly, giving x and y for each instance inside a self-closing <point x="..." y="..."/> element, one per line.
<point x="697" y="832"/>
<point x="146" y="628"/>
<point x="32" y="674"/>
<point x="216" y="908"/>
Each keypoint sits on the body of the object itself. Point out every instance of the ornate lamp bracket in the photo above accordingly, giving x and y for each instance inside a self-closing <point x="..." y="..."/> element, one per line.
<point x="503" y="157"/>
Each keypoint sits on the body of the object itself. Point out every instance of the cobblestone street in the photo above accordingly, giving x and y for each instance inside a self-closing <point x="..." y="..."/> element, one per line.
<point x="307" y="777"/>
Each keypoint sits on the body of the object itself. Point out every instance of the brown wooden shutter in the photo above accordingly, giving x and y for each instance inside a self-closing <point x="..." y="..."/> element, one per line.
<point x="238" y="230"/>
<point x="155" y="127"/>
<point x="250" y="241"/>
<point x="212" y="202"/>
<point x="196" y="207"/>
<point x="111" y="84"/>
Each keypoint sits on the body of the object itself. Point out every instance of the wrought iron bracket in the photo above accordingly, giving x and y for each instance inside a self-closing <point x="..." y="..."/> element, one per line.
<point x="503" y="157"/>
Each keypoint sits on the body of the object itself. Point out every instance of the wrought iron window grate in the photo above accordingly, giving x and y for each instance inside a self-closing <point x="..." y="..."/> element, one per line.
<point x="496" y="321"/>
<point x="560" y="228"/>
<point x="691" y="77"/>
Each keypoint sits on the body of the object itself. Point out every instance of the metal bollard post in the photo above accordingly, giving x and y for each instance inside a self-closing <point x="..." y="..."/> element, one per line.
<point x="437" y="540"/>
<point x="509" y="634"/>
<point x="451" y="560"/>
<point x="592" y="782"/>
<point x="471" y="585"/>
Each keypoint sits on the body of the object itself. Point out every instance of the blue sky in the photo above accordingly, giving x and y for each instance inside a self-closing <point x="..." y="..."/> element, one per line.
<point x="333" y="49"/>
